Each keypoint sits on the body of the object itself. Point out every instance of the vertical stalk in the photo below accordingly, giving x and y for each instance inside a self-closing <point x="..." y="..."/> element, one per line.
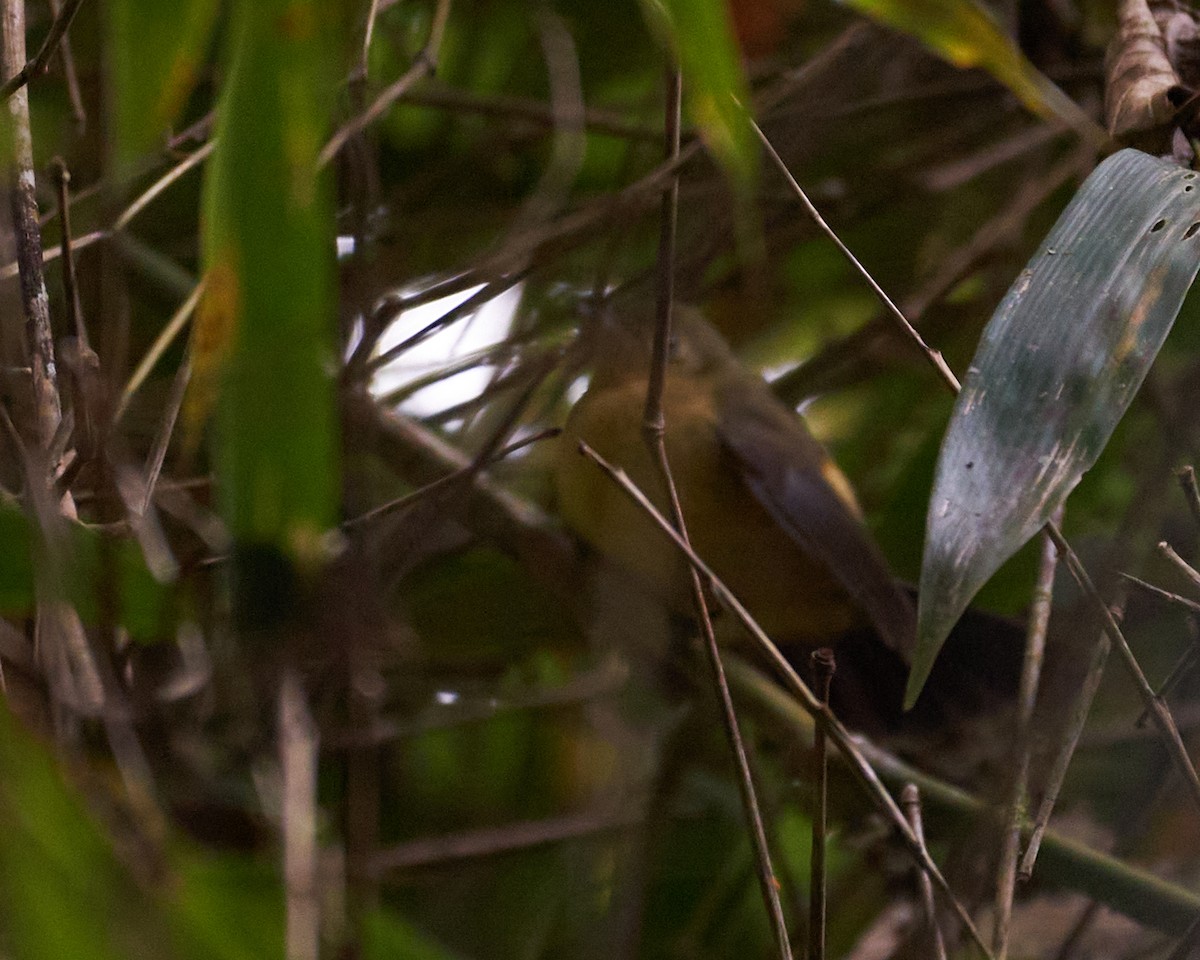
<point x="823" y="668"/>
<point x="654" y="435"/>
<point x="23" y="203"/>
<point x="1031" y="671"/>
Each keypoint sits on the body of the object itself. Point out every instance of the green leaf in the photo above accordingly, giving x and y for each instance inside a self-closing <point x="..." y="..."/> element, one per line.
<point x="263" y="338"/>
<point x="386" y="935"/>
<point x="965" y="34"/>
<point x="63" y="892"/>
<point x="103" y="571"/>
<point x="156" y="52"/>
<point x="700" y="35"/>
<point x="94" y="565"/>
<point x="16" y="562"/>
<point x="226" y="907"/>
<point x="1059" y="363"/>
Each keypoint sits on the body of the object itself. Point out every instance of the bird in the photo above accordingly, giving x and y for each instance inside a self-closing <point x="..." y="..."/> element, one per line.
<point x="765" y="506"/>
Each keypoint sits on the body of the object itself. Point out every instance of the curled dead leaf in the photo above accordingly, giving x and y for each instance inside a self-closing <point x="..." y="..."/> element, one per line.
<point x="1144" y="88"/>
<point x="1182" y="36"/>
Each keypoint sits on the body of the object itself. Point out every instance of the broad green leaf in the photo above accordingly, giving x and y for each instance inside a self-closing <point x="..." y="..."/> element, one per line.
<point x="263" y="342"/>
<point x="63" y="891"/>
<point x="155" y="54"/>
<point x="1059" y="362"/>
<point x="66" y="892"/>
<point x="965" y="34"/>
<point x="700" y="36"/>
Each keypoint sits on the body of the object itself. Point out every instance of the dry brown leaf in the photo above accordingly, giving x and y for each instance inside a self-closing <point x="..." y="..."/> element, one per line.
<point x="1138" y="108"/>
<point x="1182" y="36"/>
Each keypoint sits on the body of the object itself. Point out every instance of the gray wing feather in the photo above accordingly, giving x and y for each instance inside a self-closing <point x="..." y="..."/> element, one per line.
<point x="780" y="463"/>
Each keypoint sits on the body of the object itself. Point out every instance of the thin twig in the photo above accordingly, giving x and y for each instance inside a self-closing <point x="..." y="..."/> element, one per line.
<point x="845" y="741"/>
<point x="392" y="304"/>
<point x="489" y="841"/>
<point x="934" y="356"/>
<point x="1062" y="761"/>
<point x="1129" y="829"/>
<point x="1180" y="564"/>
<point x="910" y="800"/>
<point x="618" y="230"/>
<point x="605" y="680"/>
<point x="165" y="338"/>
<point x="70" y="76"/>
<point x="654" y="434"/>
<point x="364" y="54"/>
<point x="458" y="476"/>
<point x="1182" y="667"/>
<point x="1187" y="480"/>
<point x="23" y="200"/>
<point x="499" y="354"/>
<point x="1191" y="606"/>
<point x="568" y="145"/>
<point x="196" y="132"/>
<point x="162" y="440"/>
<point x="823" y="665"/>
<point x="1079" y="929"/>
<point x="833" y="364"/>
<point x="151" y="193"/>
<point x="139" y="204"/>
<point x="89" y="239"/>
<point x="1158" y="710"/>
<point x="664" y="306"/>
<point x="559" y="237"/>
<point x="363" y="771"/>
<point x="574" y="228"/>
<point x="62" y="178"/>
<point x="424" y="65"/>
<point x="433" y="509"/>
<point x="37" y="66"/>
<point x="1131" y="890"/>
<point x="418" y="455"/>
<point x="1031" y="670"/>
<point x="453" y="315"/>
<point x="442" y="97"/>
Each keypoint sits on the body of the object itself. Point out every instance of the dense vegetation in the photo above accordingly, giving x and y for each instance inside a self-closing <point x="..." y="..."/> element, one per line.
<point x="273" y="685"/>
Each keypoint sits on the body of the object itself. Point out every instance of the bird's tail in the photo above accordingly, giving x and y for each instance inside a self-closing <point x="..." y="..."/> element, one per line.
<point x="971" y="690"/>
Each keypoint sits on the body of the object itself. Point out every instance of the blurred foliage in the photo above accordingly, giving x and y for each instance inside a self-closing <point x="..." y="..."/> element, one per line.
<point x="507" y="763"/>
<point x="969" y="35"/>
<point x="158" y="52"/>
<point x="701" y="39"/>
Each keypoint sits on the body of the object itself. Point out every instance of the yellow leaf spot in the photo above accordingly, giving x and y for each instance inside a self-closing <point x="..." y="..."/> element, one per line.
<point x="298" y="22"/>
<point x="179" y="82"/>
<point x="213" y="330"/>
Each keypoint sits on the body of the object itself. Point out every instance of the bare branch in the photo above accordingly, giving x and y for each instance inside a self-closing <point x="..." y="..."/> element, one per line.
<point x="37" y="66"/>
<point x="23" y="199"/>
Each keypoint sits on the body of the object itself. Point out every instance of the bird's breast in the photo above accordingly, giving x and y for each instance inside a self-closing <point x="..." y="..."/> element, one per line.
<point x="792" y="596"/>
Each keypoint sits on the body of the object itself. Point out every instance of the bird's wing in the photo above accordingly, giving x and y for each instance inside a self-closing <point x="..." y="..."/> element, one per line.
<point x="782" y="464"/>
